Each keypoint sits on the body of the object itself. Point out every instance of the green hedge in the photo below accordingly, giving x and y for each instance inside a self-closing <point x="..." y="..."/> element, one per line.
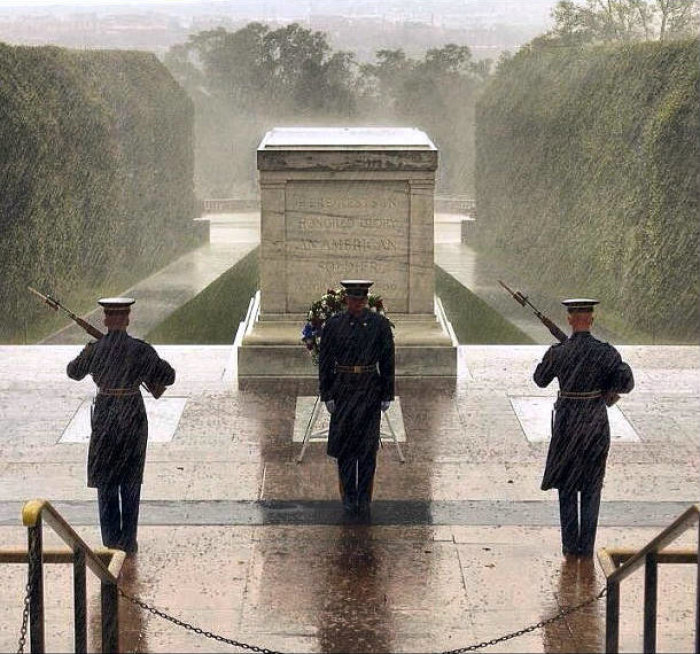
<point x="474" y="321"/>
<point x="213" y="316"/>
<point x="587" y="178"/>
<point x="96" y="171"/>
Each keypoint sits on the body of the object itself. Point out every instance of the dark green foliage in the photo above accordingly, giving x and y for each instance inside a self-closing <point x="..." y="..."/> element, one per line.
<point x="213" y="316"/>
<point x="472" y="319"/>
<point x="588" y="169"/>
<point x="96" y="172"/>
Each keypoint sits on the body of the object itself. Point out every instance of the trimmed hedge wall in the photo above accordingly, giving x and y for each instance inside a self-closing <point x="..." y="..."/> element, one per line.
<point x="96" y="172"/>
<point x="588" y="176"/>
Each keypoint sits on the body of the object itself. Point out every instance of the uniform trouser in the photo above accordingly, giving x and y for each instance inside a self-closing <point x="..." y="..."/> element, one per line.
<point x="119" y="525"/>
<point x="578" y="535"/>
<point x="357" y="478"/>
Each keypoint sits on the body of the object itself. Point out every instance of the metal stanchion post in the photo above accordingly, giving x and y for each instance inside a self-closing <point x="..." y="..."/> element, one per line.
<point x="651" y="569"/>
<point x="612" y="617"/>
<point x="36" y="588"/>
<point x="80" y="600"/>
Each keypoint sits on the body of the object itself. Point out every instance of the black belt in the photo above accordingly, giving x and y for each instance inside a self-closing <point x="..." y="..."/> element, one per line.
<point x="585" y="395"/>
<point x="356" y="370"/>
<point x="118" y="392"/>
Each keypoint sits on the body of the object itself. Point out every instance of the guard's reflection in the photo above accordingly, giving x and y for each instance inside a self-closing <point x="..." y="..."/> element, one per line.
<point x="354" y="613"/>
<point x="132" y="632"/>
<point x="577" y="583"/>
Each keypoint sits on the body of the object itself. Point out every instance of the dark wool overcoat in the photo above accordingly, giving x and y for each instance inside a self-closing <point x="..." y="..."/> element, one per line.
<point x="580" y="441"/>
<point x="349" y="341"/>
<point x="117" y="450"/>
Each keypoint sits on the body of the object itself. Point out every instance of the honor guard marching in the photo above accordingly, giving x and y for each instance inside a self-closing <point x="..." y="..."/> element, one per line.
<point x="356" y="380"/>
<point x="118" y="364"/>
<point x="589" y="372"/>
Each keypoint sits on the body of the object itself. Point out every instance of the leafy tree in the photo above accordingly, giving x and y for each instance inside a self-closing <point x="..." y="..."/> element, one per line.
<point x="437" y="94"/>
<point x="383" y="79"/>
<point x="595" y="21"/>
<point x="246" y="81"/>
<point x="679" y="18"/>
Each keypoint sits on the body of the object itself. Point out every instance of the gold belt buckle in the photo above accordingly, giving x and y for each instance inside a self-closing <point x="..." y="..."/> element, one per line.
<point x="357" y="369"/>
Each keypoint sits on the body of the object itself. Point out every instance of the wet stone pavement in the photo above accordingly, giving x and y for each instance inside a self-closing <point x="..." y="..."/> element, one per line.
<point x="462" y="546"/>
<point x="237" y="538"/>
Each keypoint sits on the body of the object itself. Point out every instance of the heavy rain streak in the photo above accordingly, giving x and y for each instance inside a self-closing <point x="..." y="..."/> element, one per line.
<point x="349" y="325"/>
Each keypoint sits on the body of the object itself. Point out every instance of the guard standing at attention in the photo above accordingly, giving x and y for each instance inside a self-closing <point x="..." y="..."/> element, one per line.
<point x="356" y="380"/>
<point x="118" y="364"/>
<point x="589" y="371"/>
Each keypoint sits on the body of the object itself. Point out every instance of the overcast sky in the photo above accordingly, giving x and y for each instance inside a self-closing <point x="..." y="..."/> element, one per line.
<point x="87" y="3"/>
<point x="103" y="3"/>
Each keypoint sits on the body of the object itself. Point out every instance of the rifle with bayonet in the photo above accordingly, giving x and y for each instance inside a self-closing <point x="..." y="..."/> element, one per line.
<point x="56" y="306"/>
<point x="52" y="302"/>
<point x="549" y="324"/>
<point x="610" y="397"/>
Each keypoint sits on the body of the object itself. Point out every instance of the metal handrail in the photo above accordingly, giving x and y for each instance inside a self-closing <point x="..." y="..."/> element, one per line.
<point x="650" y="556"/>
<point x="34" y="512"/>
<point x="681" y="524"/>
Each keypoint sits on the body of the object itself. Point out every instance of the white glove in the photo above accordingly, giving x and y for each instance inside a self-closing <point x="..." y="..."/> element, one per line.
<point x="385" y="405"/>
<point x="330" y="405"/>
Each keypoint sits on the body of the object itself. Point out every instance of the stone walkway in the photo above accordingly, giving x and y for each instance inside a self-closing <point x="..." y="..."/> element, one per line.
<point x="239" y="539"/>
<point x="232" y="236"/>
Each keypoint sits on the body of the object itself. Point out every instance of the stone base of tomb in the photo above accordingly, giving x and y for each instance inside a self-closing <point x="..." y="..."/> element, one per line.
<point x="271" y="348"/>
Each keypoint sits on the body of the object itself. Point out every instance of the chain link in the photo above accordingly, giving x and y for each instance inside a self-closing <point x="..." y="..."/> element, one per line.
<point x="262" y="650"/>
<point x="543" y="623"/>
<point x="25" y="619"/>
<point x="193" y="629"/>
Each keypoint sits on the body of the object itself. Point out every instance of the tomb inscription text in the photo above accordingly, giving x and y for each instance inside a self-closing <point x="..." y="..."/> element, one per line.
<point x="341" y="229"/>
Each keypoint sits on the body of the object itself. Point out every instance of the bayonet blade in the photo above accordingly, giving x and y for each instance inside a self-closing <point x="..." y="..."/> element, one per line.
<point x="46" y="298"/>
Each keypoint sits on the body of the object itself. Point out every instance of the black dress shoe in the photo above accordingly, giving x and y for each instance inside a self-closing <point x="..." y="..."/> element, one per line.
<point x="130" y="548"/>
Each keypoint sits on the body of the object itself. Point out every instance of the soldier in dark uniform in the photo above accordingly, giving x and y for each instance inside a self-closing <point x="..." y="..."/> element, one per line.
<point x="589" y="371"/>
<point x="118" y="364"/>
<point x="356" y="379"/>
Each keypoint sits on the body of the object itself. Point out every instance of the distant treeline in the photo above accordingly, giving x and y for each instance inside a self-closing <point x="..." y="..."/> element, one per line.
<point x="245" y="82"/>
<point x="96" y="170"/>
<point x="588" y="177"/>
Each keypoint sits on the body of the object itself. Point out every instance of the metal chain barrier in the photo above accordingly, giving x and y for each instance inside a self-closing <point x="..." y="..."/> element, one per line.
<point x="192" y="628"/>
<point x="25" y="619"/>
<point x="562" y="614"/>
<point x="254" y="648"/>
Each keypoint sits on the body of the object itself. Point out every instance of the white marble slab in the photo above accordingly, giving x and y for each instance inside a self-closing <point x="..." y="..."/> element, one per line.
<point x="305" y="405"/>
<point x="535" y="416"/>
<point x="333" y="137"/>
<point x="163" y="419"/>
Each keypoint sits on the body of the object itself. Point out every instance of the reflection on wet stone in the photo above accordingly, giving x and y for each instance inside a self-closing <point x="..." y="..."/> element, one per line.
<point x="461" y="546"/>
<point x="354" y="613"/>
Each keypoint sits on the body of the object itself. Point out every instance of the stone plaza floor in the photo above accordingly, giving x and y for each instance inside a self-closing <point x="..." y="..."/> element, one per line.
<point x="239" y="539"/>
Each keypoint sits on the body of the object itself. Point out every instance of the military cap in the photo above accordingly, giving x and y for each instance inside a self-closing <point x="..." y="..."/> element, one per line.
<point x="116" y="304"/>
<point x="580" y="304"/>
<point x="356" y="287"/>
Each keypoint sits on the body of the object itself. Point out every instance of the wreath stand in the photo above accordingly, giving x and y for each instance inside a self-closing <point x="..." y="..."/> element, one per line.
<point x="322" y="434"/>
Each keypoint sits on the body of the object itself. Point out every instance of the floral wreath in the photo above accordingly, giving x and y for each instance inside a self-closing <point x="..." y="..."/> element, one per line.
<point x="328" y="305"/>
